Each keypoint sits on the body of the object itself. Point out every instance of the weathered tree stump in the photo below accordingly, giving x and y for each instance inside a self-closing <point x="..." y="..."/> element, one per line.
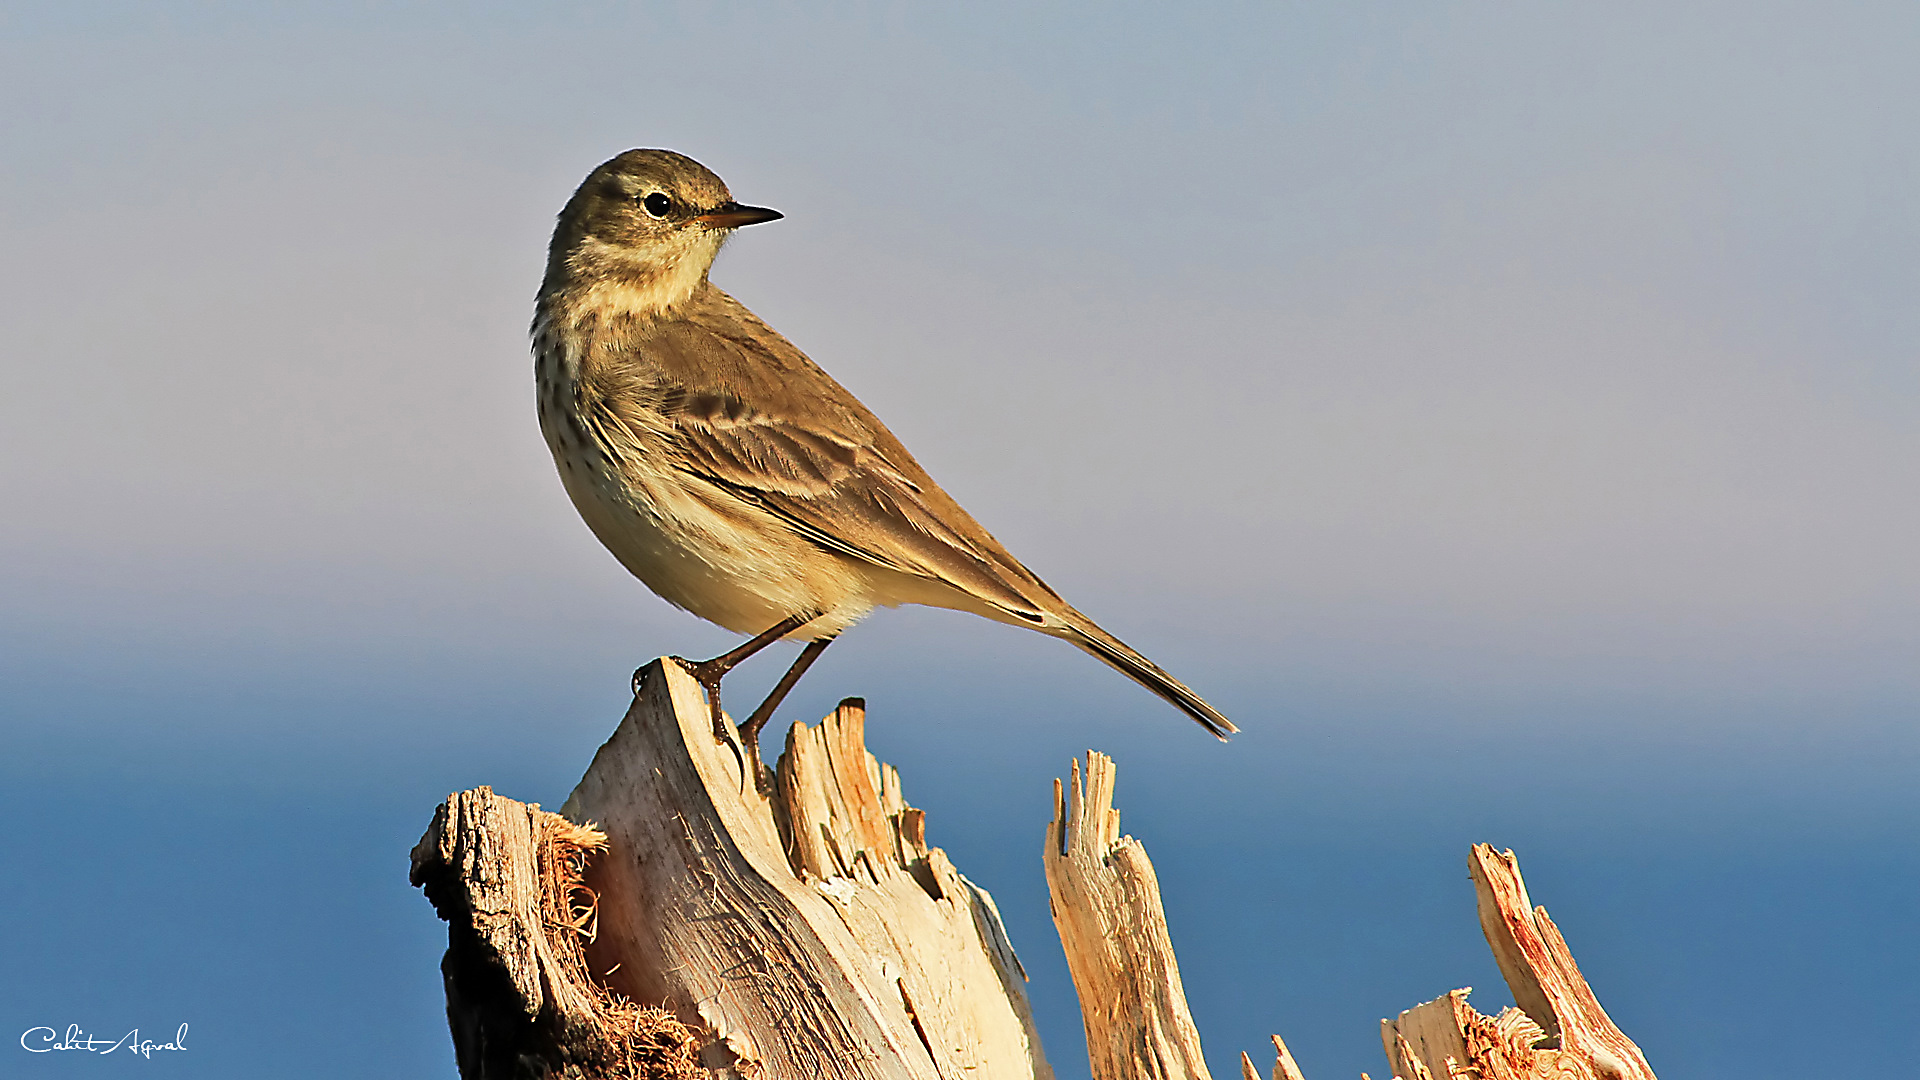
<point x="1106" y="905"/>
<point x="675" y="921"/>
<point x="507" y="877"/>
<point x="808" y="933"/>
<point x="1558" y="1028"/>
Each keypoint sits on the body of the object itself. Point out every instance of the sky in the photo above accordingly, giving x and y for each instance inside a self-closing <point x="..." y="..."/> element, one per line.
<point x="1508" y="416"/>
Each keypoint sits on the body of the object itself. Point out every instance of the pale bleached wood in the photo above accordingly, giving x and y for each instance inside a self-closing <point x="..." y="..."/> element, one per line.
<point x="1539" y="968"/>
<point x="1284" y="1067"/>
<point x="1557" y="1030"/>
<point x="810" y="933"/>
<point x="1106" y="906"/>
<point x="1433" y="1031"/>
<point x="507" y="878"/>
<point x="1428" y="1038"/>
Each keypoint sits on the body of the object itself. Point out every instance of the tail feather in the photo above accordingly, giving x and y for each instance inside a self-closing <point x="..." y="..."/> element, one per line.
<point x="1122" y="658"/>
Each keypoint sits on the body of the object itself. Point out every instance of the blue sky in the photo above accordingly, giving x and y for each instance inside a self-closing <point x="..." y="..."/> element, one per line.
<point x="1508" y="417"/>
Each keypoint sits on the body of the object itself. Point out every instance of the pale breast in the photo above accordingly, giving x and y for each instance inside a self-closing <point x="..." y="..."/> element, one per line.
<point x="696" y="545"/>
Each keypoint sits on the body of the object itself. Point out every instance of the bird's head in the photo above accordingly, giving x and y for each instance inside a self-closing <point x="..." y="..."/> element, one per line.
<point x="642" y="231"/>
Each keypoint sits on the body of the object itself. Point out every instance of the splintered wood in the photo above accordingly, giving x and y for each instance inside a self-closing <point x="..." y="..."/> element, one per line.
<point x="678" y="921"/>
<point x="810" y="933"/>
<point x="1284" y="1067"/>
<point x="1558" y="1028"/>
<point x="507" y="877"/>
<point x="1106" y="905"/>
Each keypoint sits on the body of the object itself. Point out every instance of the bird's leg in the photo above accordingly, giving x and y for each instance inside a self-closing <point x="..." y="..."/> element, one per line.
<point x="708" y="673"/>
<point x="750" y="731"/>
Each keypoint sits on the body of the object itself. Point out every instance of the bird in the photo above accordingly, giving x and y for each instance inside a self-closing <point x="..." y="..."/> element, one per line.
<point x="731" y="474"/>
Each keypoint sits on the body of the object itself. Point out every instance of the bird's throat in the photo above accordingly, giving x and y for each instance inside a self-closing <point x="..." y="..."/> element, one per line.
<point x="609" y="285"/>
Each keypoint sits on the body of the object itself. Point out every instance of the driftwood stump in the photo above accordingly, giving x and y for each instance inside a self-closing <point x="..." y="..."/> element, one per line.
<point x="675" y="921"/>
<point x="1106" y="905"/>
<point x="810" y="933"/>
<point x="1558" y="1028"/>
<point x="507" y="877"/>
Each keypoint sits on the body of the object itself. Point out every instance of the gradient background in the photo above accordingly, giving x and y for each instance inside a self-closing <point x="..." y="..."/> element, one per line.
<point x="1509" y="415"/>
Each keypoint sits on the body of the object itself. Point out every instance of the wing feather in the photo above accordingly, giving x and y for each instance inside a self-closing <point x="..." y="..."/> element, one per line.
<point x="747" y="411"/>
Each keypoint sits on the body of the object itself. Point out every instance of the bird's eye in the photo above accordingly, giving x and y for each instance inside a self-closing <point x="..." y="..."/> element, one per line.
<point x="657" y="204"/>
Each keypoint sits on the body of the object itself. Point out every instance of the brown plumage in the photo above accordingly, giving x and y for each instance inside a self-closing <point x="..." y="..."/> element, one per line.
<point x="724" y="468"/>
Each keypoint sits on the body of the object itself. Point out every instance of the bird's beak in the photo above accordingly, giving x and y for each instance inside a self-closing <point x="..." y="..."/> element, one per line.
<point x="732" y="215"/>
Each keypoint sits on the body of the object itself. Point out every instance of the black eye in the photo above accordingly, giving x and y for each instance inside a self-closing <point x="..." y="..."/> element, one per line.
<point x="657" y="204"/>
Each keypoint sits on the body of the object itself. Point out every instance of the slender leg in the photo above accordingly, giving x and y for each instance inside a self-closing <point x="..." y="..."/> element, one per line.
<point x="750" y="731"/>
<point x="726" y="662"/>
<point x="709" y="672"/>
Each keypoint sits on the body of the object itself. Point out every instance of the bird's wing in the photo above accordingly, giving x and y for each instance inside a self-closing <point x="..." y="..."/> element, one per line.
<point x="739" y="407"/>
<point x="749" y="412"/>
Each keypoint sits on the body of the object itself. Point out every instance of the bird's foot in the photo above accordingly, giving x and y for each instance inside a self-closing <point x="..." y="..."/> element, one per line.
<point x="762" y="776"/>
<point x="708" y="674"/>
<point x="750" y="731"/>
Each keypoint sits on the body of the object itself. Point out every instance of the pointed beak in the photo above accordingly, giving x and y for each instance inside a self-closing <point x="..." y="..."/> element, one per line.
<point x="732" y="215"/>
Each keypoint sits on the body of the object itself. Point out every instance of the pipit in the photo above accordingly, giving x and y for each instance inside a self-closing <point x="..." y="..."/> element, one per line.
<point x="726" y="470"/>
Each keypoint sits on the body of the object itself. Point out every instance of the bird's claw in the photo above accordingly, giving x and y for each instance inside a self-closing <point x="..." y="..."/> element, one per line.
<point x="707" y="674"/>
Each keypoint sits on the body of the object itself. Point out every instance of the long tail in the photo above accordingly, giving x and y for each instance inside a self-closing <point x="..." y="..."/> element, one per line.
<point x="1082" y="632"/>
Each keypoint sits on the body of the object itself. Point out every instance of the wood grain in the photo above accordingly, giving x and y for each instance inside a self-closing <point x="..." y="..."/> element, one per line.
<point x="810" y="932"/>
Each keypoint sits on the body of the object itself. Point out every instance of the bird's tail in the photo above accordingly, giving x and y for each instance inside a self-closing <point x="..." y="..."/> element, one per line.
<point x="1082" y="632"/>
